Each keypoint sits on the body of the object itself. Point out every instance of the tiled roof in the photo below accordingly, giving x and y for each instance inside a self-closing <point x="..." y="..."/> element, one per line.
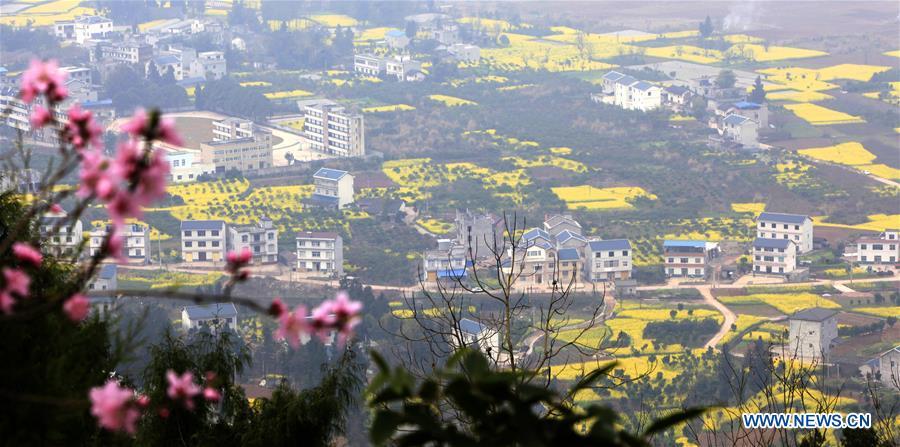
<point x="568" y="254"/>
<point x="771" y="243"/>
<point x="796" y="219"/>
<point x="108" y="271"/>
<point x="814" y="314"/>
<point x="735" y="120"/>
<point x="535" y="233"/>
<point x="209" y="311"/>
<point x="692" y="244"/>
<point x="330" y="174"/>
<point x="202" y="224"/>
<point x="470" y="327"/>
<point x="612" y="244"/>
<point x="317" y="235"/>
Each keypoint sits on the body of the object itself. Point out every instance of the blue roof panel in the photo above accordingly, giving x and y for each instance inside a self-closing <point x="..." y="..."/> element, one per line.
<point x="692" y="244"/>
<point x="330" y="174"/>
<point x="210" y="311"/>
<point x="771" y="243"/>
<point x="568" y="254"/>
<point x="612" y="244"/>
<point x="203" y="225"/>
<point x="470" y="327"/>
<point x="796" y="219"/>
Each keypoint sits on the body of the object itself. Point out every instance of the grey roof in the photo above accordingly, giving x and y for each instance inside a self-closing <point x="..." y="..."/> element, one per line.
<point x="797" y="219"/>
<point x="611" y="244"/>
<point x="626" y="80"/>
<point x="470" y="327"/>
<point x="330" y="174"/>
<point x="317" y="235"/>
<point x="167" y="59"/>
<point x="771" y="243"/>
<point x="108" y="271"/>
<point x="643" y="85"/>
<point x="684" y="243"/>
<point x="613" y="76"/>
<point x="568" y="254"/>
<point x="814" y="314"/>
<point x="735" y="120"/>
<point x="676" y="90"/>
<point x="558" y="219"/>
<point x="209" y="311"/>
<point x="202" y="224"/>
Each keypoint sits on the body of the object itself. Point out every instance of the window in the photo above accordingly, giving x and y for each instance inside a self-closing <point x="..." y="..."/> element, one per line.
<point x="796" y="227"/>
<point x="188" y="243"/>
<point x="244" y="238"/>
<point x="612" y="253"/>
<point x="201" y="233"/>
<point x="215" y="243"/>
<point x="201" y="244"/>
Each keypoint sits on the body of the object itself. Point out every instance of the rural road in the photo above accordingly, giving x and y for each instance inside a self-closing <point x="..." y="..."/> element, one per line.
<point x="730" y="317"/>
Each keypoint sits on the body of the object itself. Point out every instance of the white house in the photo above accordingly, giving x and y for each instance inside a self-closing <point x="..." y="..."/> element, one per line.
<point x="331" y="129"/>
<point x="203" y="240"/>
<point x="106" y="279"/>
<point x="740" y="130"/>
<point x="607" y="260"/>
<point x="879" y="253"/>
<point x="464" y="52"/>
<point x="628" y="92"/>
<point x="213" y="316"/>
<point x="473" y="334"/>
<point x="334" y="188"/>
<point x="87" y="27"/>
<point x="687" y="258"/>
<point x="320" y="253"/>
<point x="261" y="239"/>
<point x="135" y="238"/>
<point x="774" y="256"/>
<point x="795" y="227"/>
<point x="888" y="371"/>
<point x="368" y="64"/>
<point x="62" y="237"/>
<point x="448" y="261"/>
<point x="812" y="333"/>
<point x="185" y="164"/>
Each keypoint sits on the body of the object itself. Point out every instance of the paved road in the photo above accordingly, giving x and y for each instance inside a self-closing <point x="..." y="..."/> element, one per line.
<point x="730" y="317"/>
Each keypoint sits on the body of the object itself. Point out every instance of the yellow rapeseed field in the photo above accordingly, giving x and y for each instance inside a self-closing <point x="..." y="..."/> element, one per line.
<point x="761" y="53"/>
<point x="887" y="311"/>
<point x="435" y="226"/>
<point x="286" y="94"/>
<point x="787" y="303"/>
<point x="751" y="207"/>
<point x="547" y="160"/>
<point x="255" y="84"/>
<point x="334" y="20"/>
<point x="877" y="222"/>
<point x="882" y="170"/>
<point x="798" y="96"/>
<point x="370" y="34"/>
<point x="821" y="116"/>
<point x="388" y="108"/>
<point x="451" y="101"/>
<point x="591" y="198"/>
<point x="687" y="53"/>
<point x="850" y="153"/>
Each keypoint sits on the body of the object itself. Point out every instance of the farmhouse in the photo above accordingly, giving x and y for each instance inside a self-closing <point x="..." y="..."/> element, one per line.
<point x="628" y="92"/>
<point x="479" y="336"/>
<point x="106" y="278"/>
<point x="777" y="256"/>
<point x="261" y="239"/>
<point x="448" y="261"/>
<point x="795" y="227"/>
<point x="483" y="233"/>
<point x="688" y="258"/>
<point x="739" y="130"/>
<point x="135" y="238"/>
<point x="880" y="253"/>
<point x="334" y="189"/>
<point x="396" y="39"/>
<point x="320" y="253"/>
<point x="203" y="240"/>
<point x="887" y="368"/>
<point x="607" y="260"/>
<point x="214" y="317"/>
<point x="66" y="235"/>
<point x="465" y="52"/>
<point x="812" y="333"/>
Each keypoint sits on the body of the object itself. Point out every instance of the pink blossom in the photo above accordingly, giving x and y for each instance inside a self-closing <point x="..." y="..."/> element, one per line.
<point x="77" y="307"/>
<point x="122" y="206"/>
<point x="146" y="177"/>
<point x="323" y="321"/>
<point x="7" y="302"/>
<point x="96" y="177"/>
<point x="114" y="407"/>
<point x="17" y="281"/>
<point x="115" y="243"/>
<point x="291" y="325"/>
<point x="346" y="314"/>
<point x="211" y="394"/>
<point x="27" y="254"/>
<point x="236" y="262"/>
<point x="139" y="127"/>
<point x="40" y="117"/>
<point x="43" y="78"/>
<point x="182" y="388"/>
<point x="56" y="209"/>
<point x="82" y="130"/>
<point x="277" y="308"/>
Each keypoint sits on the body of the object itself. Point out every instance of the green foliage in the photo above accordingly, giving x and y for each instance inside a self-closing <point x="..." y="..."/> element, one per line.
<point x="129" y="89"/>
<point x="758" y="95"/>
<point x="690" y="333"/>
<point x="726" y="79"/>
<point x="493" y="408"/>
<point x="228" y="97"/>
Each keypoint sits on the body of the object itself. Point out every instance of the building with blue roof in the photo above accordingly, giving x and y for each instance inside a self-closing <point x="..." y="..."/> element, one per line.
<point x="105" y="279"/>
<point x="479" y="336"/>
<point x="334" y="188"/>
<point x="203" y="241"/>
<point x="215" y="317"/>
<point x="608" y="260"/>
<point x="797" y="228"/>
<point x="688" y="258"/>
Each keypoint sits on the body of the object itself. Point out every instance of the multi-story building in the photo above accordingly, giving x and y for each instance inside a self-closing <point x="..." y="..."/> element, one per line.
<point x="333" y="188"/>
<point x="261" y="239"/>
<point x="778" y="256"/>
<point x="135" y="238"/>
<point x="238" y="144"/>
<point x="89" y="27"/>
<point x="62" y="236"/>
<point x="82" y="74"/>
<point x="739" y="130"/>
<point x="687" y="258"/>
<point x="533" y="262"/>
<point x="449" y="261"/>
<point x="125" y="52"/>
<point x="888" y="368"/>
<point x="756" y="112"/>
<point x="184" y="164"/>
<point x="203" y="240"/>
<point x="320" y="253"/>
<point x="396" y="39"/>
<point x="795" y="227"/>
<point x="186" y="63"/>
<point x="482" y="232"/>
<point x="559" y="223"/>
<point x="879" y="253"/>
<point x="812" y="333"/>
<point x="607" y="260"/>
<point x="331" y="129"/>
<point x="571" y="266"/>
<point x="215" y="317"/>
<point x="369" y="64"/>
